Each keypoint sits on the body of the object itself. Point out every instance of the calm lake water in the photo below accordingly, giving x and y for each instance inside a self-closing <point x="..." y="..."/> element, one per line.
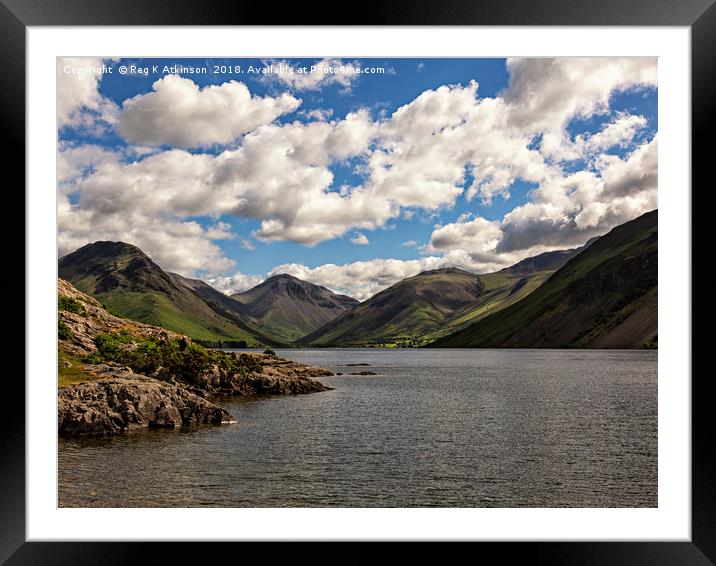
<point x="467" y="428"/>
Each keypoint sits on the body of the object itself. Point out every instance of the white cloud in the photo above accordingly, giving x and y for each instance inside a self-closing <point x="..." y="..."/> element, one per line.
<point x="544" y="94"/>
<point x="176" y="245"/>
<point x="564" y="212"/>
<point x="181" y="114"/>
<point x="79" y="102"/>
<point x="415" y="161"/>
<point x="220" y="231"/>
<point x="636" y="174"/>
<point x="480" y="236"/>
<point x="75" y="161"/>
<point x="246" y="244"/>
<point x="360" y="279"/>
<point x="427" y="147"/>
<point x="236" y="283"/>
<point x="619" y="132"/>
<point x="319" y="114"/>
<point x="360" y="240"/>
<point x="325" y="72"/>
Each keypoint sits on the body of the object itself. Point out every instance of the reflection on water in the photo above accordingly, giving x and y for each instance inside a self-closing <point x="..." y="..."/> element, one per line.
<point x="470" y="428"/>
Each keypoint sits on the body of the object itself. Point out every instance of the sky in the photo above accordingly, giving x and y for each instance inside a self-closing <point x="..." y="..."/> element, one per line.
<point x="351" y="173"/>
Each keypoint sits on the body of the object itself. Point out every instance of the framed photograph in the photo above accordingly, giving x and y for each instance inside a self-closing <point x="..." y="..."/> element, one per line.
<point x="396" y="280"/>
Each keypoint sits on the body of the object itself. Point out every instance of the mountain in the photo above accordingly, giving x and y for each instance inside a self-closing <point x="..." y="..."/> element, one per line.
<point x="547" y="261"/>
<point x="605" y="297"/>
<point x="290" y="308"/>
<point x="129" y="283"/>
<point x="432" y="304"/>
<point x="403" y="311"/>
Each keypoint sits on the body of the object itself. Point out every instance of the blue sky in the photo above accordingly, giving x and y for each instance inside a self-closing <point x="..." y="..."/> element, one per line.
<point x="352" y="180"/>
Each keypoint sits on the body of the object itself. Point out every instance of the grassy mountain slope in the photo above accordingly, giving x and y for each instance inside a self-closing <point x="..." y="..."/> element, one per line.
<point x="231" y="309"/>
<point x="605" y="297"/>
<point x="123" y="278"/>
<point x="290" y="308"/>
<point x="420" y="309"/>
<point x="403" y="312"/>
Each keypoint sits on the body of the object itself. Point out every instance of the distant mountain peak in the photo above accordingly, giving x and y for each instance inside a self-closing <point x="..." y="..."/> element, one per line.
<point x="604" y="296"/>
<point x="287" y="276"/>
<point x="444" y="270"/>
<point x="291" y="307"/>
<point x="128" y="281"/>
<point x="108" y="246"/>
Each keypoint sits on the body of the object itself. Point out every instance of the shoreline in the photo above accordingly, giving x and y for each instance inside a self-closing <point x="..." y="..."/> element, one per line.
<point x="117" y="375"/>
<point x="117" y="400"/>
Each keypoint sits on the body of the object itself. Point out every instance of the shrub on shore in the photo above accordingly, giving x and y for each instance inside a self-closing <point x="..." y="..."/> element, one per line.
<point x="69" y="304"/>
<point x="180" y="359"/>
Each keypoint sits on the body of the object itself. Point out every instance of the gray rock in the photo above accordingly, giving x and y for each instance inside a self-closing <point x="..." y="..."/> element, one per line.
<point x="124" y="401"/>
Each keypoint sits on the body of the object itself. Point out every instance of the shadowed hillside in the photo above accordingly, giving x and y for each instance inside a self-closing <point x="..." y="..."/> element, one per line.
<point x="290" y="308"/>
<point x="605" y="297"/>
<point x="129" y="283"/>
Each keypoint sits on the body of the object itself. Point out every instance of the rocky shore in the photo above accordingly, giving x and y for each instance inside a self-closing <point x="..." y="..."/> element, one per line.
<point x="132" y="376"/>
<point x="120" y="400"/>
<point x="115" y="399"/>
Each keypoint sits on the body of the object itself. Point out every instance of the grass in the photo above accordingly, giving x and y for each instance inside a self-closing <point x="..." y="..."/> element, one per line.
<point x="422" y="323"/>
<point x="70" y="375"/>
<point x="496" y="329"/>
<point x="69" y="304"/>
<point x="158" y="310"/>
<point x="63" y="331"/>
<point x="180" y="359"/>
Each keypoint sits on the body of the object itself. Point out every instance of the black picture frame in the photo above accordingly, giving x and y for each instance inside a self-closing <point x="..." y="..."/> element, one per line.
<point x="698" y="15"/>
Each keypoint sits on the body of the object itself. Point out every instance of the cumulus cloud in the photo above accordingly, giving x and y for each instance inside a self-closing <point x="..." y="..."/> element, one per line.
<point x="177" y="245"/>
<point x="446" y="144"/>
<point x="360" y="240"/>
<point x="619" y="132"/>
<point x="363" y="279"/>
<point x="75" y="161"/>
<point x="236" y="283"/>
<point x="177" y="112"/>
<point x="543" y="94"/>
<point x="79" y="102"/>
<point x="360" y="279"/>
<point x="564" y="211"/>
<point x="323" y="73"/>
<point x="636" y="174"/>
<point x="477" y="236"/>
<point x="319" y="114"/>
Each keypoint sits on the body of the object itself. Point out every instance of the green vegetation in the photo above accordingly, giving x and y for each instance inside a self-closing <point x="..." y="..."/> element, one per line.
<point x="290" y="308"/>
<point x="652" y="343"/>
<point x="222" y="343"/>
<point x="129" y="284"/>
<point x="63" y="331"/>
<point x="69" y="304"/>
<point x="403" y="312"/>
<point x="159" y="310"/>
<point x="421" y="309"/>
<point x="609" y="286"/>
<point x="172" y="358"/>
<point x="69" y="369"/>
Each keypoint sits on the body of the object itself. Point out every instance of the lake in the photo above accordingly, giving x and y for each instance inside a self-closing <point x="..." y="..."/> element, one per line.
<point x="446" y="428"/>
